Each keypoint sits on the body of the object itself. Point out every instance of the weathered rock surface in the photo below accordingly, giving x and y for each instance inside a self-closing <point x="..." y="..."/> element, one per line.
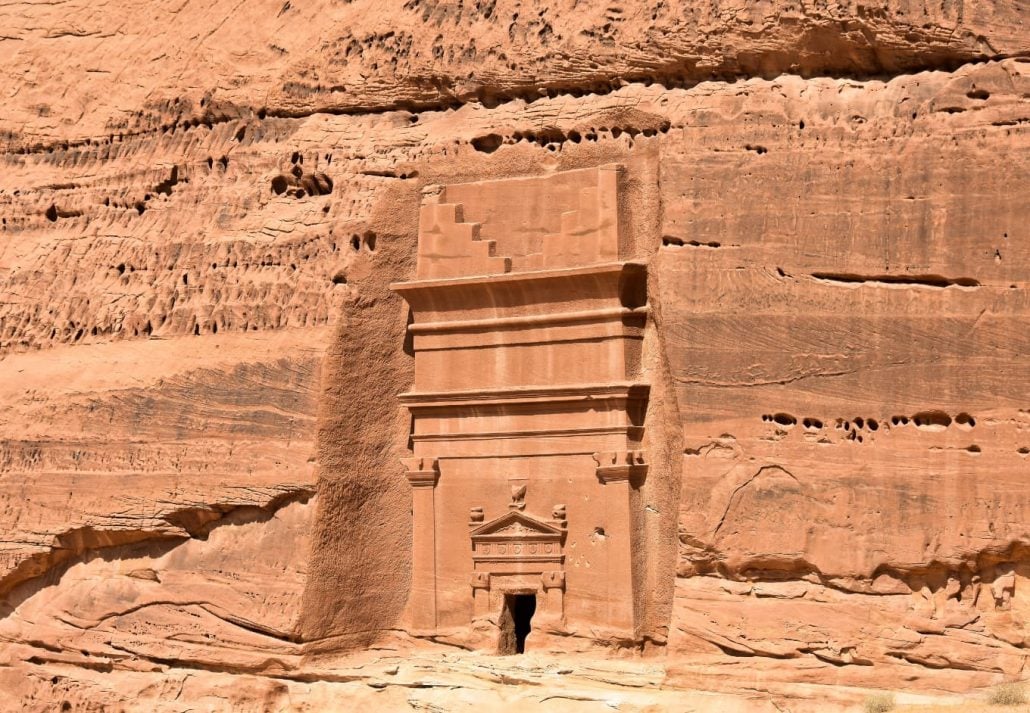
<point x="124" y="71"/>
<point x="202" y="208"/>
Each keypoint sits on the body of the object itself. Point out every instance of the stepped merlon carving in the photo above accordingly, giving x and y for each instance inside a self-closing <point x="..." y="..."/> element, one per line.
<point x="462" y="233"/>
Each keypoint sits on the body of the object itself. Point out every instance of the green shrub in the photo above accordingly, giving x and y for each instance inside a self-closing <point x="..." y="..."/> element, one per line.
<point x="879" y="703"/>
<point x="1007" y="694"/>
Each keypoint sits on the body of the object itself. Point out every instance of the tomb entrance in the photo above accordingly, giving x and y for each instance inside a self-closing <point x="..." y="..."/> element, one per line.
<point x="516" y="623"/>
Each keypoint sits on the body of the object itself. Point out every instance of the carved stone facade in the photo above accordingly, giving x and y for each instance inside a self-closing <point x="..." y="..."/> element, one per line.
<point x="528" y="398"/>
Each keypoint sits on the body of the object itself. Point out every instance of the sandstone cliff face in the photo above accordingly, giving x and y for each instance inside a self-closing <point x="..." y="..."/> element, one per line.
<point x="851" y="415"/>
<point x="202" y="208"/>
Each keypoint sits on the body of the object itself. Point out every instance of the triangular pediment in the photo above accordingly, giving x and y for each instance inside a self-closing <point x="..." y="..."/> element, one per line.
<point x="516" y="524"/>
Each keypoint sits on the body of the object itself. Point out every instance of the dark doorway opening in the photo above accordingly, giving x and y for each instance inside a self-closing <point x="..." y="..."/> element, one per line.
<point x="515" y="623"/>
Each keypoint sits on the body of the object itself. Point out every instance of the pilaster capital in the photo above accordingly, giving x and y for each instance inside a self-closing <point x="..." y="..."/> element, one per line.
<point x="553" y="580"/>
<point x="615" y="466"/>
<point x="422" y="472"/>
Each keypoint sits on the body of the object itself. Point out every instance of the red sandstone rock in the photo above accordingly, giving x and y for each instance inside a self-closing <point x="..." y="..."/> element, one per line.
<point x="723" y="305"/>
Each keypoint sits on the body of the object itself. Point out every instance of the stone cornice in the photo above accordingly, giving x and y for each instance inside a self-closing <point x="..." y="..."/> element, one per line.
<point x="542" y="320"/>
<point x="621" y="283"/>
<point x="524" y="395"/>
<point x="405" y="288"/>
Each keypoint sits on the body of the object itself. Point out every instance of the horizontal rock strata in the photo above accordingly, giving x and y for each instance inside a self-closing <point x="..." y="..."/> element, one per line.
<point x="201" y="212"/>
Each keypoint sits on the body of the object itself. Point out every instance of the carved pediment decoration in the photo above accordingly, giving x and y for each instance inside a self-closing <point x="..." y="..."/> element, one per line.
<point x="516" y="524"/>
<point x="517" y="536"/>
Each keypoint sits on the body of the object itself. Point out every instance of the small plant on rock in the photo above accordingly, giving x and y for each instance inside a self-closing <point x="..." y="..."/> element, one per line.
<point x="879" y="703"/>
<point x="1007" y="694"/>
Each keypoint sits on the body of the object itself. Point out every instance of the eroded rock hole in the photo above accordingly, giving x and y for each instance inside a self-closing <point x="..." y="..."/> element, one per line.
<point x="515" y="623"/>
<point x="938" y="281"/>
<point x="933" y="420"/>
<point x="785" y="419"/>
<point x="964" y="419"/>
<point x="165" y="187"/>
<point x="317" y="184"/>
<point x="488" y="143"/>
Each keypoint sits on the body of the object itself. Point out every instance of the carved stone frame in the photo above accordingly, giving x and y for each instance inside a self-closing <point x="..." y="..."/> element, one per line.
<point x="519" y="553"/>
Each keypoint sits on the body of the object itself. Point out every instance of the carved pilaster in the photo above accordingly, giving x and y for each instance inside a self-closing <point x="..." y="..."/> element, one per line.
<point x="619" y="471"/>
<point x="423" y="474"/>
